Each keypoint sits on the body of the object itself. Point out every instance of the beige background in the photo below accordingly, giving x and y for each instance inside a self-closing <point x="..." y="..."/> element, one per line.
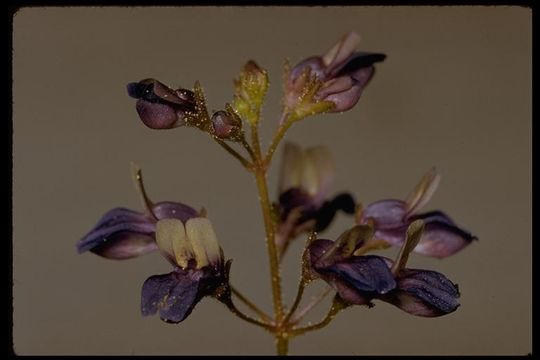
<point x="455" y="92"/>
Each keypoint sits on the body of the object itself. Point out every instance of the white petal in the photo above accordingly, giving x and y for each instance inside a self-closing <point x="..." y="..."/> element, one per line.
<point x="291" y="167"/>
<point x="342" y="49"/>
<point x="172" y="240"/>
<point x="203" y="240"/>
<point x="318" y="172"/>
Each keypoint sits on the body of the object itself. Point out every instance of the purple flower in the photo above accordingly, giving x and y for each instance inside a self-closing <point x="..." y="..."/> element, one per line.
<point x="122" y="233"/>
<point x="343" y="75"/>
<point x="305" y="181"/>
<point x="358" y="279"/>
<point x="198" y="269"/>
<point x="184" y="237"/>
<point x="159" y="106"/>
<point x="424" y="293"/>
<point x="441" y="238"/>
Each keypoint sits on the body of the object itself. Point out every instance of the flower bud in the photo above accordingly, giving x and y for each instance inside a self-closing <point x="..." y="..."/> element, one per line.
<point x="223" y="124"/>
<point x="336" y="79"/>
<point x="257" y="76"/>
<point x="250" y="89"/>
<point x="159" y="106"/>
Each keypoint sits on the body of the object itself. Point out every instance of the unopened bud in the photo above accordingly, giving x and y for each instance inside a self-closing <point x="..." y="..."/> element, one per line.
<point x="224" y="125"/>
<point x="159" y="116"/>
<point x="160" y="107"/>
<point x="250" y="89"/>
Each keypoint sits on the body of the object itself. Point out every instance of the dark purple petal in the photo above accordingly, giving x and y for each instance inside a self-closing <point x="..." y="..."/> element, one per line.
<point x="174" y="295"/>
<point x="174" y="210"/>
<point x="387" y="214"/>
<point x="356" y="61"/>
<point x="369" y="273"/>
<point x="125" y="245"/>
<point x="344" y="202"/>
<point x="154" y="91"/>
<point x="135" y="90"/>
<point x="157" y="115"/>
<point x="357" y="279"/>
<point x="120" y="234"/>
<point x="424" y="293"/>
<point x="316" y="249"/>
<point x="441" y="239"/>
<point x="294" y="198"/>
<point x="433" y="216"/>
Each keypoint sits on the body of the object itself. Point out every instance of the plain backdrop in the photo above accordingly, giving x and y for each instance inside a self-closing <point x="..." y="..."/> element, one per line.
<point x="454" y="92"/>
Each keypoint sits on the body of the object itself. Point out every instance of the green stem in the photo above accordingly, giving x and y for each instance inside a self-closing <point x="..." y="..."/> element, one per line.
<point x="255" y="141"/>
<point x="230" y="305"/>
<point x="300" y="292"/>
<point x="282" y="345"/>
<point x="296" y="318"/>
<point x="287" y="123"/>
<point x="250" y="304"/>
<point x="337" y="306"/>
<point x="269" y="226"/>
<point x="234" y="153"/>
<point x="249" y="149"/>
<point x="260" y="176"/>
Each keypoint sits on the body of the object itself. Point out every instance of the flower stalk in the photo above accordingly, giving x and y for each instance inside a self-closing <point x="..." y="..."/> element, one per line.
<point x="225" y="298"/>
<point x="250" y="305"/>
<point x="282" y="129"/>
<point x="245" y="162"/>
<point x="337" y="305"/>
<point x="299" y="315"/>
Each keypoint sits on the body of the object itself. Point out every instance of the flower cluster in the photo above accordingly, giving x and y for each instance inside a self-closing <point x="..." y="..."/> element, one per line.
<point x="304" y="206"/>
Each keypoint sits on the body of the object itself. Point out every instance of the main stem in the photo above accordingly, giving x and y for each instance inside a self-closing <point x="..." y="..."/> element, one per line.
<point x="260" y="177"/>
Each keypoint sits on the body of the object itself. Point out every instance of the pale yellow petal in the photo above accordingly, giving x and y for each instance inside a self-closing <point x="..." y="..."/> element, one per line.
<point x="291" y="167"/>
<point x="171" y="239"/>
<point x="318" y="172"/>
<point x="202" y="237"/>
<point x="414" y="234"/>
<point x="423" y="191"/>
<point x="342" y="49"/>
